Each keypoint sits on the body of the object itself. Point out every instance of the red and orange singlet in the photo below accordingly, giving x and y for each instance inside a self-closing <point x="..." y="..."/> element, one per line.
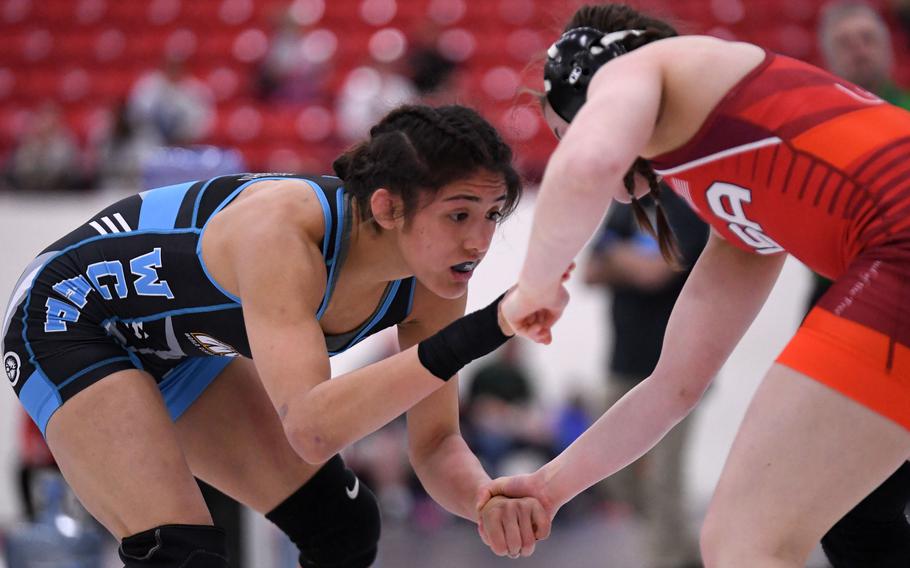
<point x="795" y="159"/>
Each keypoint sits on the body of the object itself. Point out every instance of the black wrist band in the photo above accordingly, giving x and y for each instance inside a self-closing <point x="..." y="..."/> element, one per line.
<point x="465" y="339"/>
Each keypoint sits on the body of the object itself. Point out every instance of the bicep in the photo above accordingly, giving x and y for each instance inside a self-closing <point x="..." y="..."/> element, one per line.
<point x="620" y="113"/>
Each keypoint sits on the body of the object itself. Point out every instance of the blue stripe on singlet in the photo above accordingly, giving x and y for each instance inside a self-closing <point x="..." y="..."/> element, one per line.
<point x="339" y="207"/>
<point x="160" y="206"/>
<point x="326" y="215"/>
<point x="40" y="398"/>
<point x="186" y="382"/>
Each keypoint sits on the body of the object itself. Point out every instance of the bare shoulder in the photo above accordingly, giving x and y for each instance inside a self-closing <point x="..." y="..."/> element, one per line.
<point x="697" y="72"/>
<point x="271" y="224"/>
<point x="280" y="204"/>
<point x="704" y="58"/>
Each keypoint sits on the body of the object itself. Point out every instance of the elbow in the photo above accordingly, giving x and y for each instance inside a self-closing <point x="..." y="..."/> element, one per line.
<point x="309" y="439"/>
<point x="686" y="398"/>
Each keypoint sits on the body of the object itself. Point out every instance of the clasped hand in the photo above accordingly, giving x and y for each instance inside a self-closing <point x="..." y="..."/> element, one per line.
<point x="513" y="515"/>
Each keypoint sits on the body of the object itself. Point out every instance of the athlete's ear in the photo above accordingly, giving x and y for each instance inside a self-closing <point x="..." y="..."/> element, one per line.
<point x="387" y="209"/>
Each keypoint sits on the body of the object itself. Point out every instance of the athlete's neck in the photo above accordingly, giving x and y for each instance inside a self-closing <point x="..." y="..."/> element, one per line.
<point x="374" y="256"/>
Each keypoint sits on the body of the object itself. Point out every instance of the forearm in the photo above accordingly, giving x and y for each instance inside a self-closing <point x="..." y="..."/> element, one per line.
<point x="624" y="433"/>
<point x="720" y="300"/>
<point x="451" y="475"/>
<point x="335" y="413"/>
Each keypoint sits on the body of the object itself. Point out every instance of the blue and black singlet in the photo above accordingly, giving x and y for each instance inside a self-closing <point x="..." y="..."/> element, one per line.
<point x="129" y="289"/>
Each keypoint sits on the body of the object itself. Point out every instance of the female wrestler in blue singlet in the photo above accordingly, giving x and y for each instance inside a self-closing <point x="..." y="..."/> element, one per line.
<point x="156" y="342"/>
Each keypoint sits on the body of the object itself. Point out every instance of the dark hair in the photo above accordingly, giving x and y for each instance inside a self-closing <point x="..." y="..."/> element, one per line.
<point x="417" y="148"/>
<point x="618" y="17"/>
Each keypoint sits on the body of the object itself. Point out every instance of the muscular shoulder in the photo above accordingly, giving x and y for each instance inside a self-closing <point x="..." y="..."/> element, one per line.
<point x="696" y="73"/>
<point x="280" y="206"/>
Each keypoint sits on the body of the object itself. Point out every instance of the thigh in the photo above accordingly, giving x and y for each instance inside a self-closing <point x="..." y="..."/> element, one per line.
<point x="117" y="448"/>
<point x="804" y="455"/>
<point x="233" y="439"/>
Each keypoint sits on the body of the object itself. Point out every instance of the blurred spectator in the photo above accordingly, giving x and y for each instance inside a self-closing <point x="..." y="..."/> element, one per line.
<point x="47" y="155"/>
<point x="431" y="71"/>
<point x="122" y="151"/>
<point x="628" y="262"/>
<point x="368" y="93"/>
<point x="291" y="70"/>
<point x="855" y="43"/>
<point x="501" y="422"/>
<point x="178" y="106"/>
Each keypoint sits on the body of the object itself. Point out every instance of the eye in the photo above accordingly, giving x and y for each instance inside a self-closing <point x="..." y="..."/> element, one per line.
<point x="495" y="215"/>
<point x="459" y="217"/>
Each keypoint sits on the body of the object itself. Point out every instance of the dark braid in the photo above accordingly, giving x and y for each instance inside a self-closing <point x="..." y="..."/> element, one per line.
<point x="669" y="247"/>
<point x="417" y="149"/>
<point x="617" y="17"/>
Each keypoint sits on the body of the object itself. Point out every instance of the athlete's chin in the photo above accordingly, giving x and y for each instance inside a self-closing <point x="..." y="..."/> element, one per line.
<point x="449" y="290"/>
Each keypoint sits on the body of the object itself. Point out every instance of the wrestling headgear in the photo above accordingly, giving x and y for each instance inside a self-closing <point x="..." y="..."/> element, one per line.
<point x="572" y="62"/>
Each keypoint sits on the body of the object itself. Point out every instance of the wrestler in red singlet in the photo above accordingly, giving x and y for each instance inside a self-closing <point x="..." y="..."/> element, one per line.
<point x="796" y="159"/>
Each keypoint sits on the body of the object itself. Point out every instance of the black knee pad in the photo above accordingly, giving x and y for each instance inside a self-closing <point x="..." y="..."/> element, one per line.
<point x="176" y="546"/>
<point x="333" y="519"/>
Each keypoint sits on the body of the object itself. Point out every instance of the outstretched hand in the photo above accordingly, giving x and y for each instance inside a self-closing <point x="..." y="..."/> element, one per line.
<point x="512" y="527"/>
<point x="533" y="315"/>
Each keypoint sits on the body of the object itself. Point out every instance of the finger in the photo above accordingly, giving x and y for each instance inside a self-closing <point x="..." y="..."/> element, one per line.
<point x="526" y="526"/>
<point x="482" y="532"/>
<point x="512" y="531"/>
<point x="541" y="521"/>
<point x="496" y="534"/>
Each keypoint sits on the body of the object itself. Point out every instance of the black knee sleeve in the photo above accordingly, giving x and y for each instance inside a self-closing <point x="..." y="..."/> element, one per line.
<point x="876" y="533"/>
<point x="333" y="519"/>
<point x="175" y="546"/>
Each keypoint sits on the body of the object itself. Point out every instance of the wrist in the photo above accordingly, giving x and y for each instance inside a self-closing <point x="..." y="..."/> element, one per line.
<point x="551" y="496"/>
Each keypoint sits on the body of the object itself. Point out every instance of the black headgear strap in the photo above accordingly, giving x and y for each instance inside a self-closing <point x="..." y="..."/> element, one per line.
<point x="572" y="62"/>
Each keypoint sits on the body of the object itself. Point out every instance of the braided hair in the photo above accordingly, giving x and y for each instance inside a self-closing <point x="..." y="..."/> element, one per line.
<point x="618" y="17"/>
<point x="418" y="149"/>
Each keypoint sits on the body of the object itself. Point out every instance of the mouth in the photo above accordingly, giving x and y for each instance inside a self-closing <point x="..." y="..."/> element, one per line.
<point x="464" y="270"/>
<point x="465" y="267"/>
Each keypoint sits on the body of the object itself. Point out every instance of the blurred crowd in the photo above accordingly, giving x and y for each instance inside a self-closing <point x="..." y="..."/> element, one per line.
<point x="125" y="146"/>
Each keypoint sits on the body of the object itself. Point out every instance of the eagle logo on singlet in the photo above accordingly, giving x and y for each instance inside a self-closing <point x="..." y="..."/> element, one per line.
<point x="12" y="365"/>
<point x="212" y="346"/>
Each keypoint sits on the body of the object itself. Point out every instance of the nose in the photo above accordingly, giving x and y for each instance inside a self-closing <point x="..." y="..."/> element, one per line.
<point x="477" y="241"/>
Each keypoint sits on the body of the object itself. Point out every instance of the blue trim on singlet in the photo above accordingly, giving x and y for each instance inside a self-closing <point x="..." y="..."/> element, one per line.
<point x="326" y="215"/>
<point x="380" y="314"/>
<point x="221" y="206"/>
<point x="28" y="296"/>
<point x="160" y="206"/>
<point x="339" y="207"/>
<point x="199" y="200"/>
<point x="135" y="360"/>
<point x="179" y="312"/>
<point x="92" y="367"/>
<point x="186" y="382"/>
<point x="40" y="398"/>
